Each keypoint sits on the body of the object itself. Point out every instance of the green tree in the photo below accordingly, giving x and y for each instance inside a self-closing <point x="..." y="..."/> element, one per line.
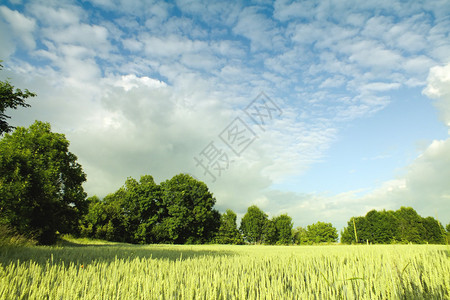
<point x="447" y="227"/>
<point x="40" y="183"/>
<point x="228" y="232"/>
<point x="10" y="98"/>
<point x="253" y="225"/>
<point x="434" y="231"/>
<point x="270" y="234"/>
<point x="147" y="198"/>
<point x="300" y="236"/>
<point x="362" y="232"/>
<point x="321" y="232"/>
<point x="188" y="215"/>
<point x="403" y="225"/>
<point x="381" y="227"/>
<point x="410" y="227"/>
<point x="283" y="224"/>
<point x="127" y="215"/>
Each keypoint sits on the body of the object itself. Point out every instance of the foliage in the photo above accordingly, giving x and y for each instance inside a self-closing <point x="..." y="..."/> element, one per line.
<point x="270" y="235"/>
<point x="403" y="225"/>
<point x="321" y="232"/>
<point x="283" y="224"/>
<point x="253" y="225"/>
<point x="40" y="183"/>
<point x="9" y="237"/>
<point x="180" y="210"/>
<point x="278" y="230"/>
<point x="124" y="271"/>
<point x="10" y="98"/>
<point x="300" y="236"/>
<point x="188" y="214"/>
<point x="228" y="232"/>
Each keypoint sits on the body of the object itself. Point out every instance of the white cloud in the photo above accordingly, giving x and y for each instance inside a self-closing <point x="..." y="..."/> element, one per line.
<point x="260" y="30"/>
<point x="151" y="111"/>
<point x="128" y="82"/>
<point x="17" y="26"/>
<point x="56" y="16"/>
<point x="439" y="88"/>
<point x="93" y="36"/>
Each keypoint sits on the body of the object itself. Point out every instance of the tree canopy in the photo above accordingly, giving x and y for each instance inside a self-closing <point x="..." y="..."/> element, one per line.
<point x="228" y="232"/>
<point x="40" y="183"/>
<point x="253" y="225"/>
<point x="402" y="226"/>
<point x="321" y="232"/>
<point x="179" y="210"/>
<point x="10" y="97"/>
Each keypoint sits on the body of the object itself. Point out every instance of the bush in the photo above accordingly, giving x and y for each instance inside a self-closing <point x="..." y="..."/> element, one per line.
<point x="9" y="237"/>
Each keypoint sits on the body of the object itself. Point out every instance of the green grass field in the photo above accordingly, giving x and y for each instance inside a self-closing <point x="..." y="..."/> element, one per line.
<point x="80" y="269"/>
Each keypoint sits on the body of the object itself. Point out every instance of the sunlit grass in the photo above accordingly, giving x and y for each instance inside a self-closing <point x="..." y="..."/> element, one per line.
<point x="122" y="271"/>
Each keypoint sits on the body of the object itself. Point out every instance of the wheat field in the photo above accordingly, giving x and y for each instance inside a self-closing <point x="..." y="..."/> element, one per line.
<point x="121" y="271"/>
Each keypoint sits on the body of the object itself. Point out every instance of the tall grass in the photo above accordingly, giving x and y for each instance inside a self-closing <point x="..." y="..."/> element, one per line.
<point x="9" y="237"/>
<point x="225" y="272"/>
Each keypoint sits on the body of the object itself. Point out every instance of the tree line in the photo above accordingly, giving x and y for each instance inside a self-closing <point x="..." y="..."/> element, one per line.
<point x="181" y="210"/>
<point x="401" y="226"/>
<point x="41" y="195"/>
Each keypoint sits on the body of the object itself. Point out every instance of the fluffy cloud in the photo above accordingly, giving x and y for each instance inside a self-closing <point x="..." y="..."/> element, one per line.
<point x="15" y="26"/>
<point x="139" y="95"/>
<point x="439" y="88"/>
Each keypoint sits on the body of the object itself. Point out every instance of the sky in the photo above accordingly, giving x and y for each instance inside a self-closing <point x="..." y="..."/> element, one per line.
<point x="323" y="110"/>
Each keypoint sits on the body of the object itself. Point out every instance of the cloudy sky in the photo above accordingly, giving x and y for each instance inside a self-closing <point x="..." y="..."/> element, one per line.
<point x="320" y="109"/>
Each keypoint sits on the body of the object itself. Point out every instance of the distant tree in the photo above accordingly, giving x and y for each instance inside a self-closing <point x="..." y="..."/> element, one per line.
<point x="410" y="227"/>
<point x="115" y="228"/>
<point x="188" y="215"/>
<point x="404" y="225"/>
<point x="228" y="232"/>
<point x="253" y="225"/>
<point x="40" y="183"/>
<point x="434" y="231"/>
<point x="348" y="233"/>
<point x="10" y="98"/>
<point x="448" y="233"/>
<point x="283" y="225"/>
<point x="362" y="228"/>
<point x="270" y="234"/>
<point x="300" y="236"/>
<point x="321" y="232"/>
<point x="145" y="200"/>
<point x="381" y="227"/>
<point x="94" y="216"/>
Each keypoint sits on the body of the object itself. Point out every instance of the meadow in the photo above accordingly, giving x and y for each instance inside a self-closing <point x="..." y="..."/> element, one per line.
<point x="87" y="270"/>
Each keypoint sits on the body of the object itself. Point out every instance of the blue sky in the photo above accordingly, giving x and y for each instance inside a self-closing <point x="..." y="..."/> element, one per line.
<point x="356" y="105"/>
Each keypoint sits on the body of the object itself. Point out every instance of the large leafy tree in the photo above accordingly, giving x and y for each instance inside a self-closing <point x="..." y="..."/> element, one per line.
<point x="404" y="225"/>
<point x="10" y="97"/>
<point x="435" y="233"/>
<point x="270" y="234"/>
<point x="228" y="232"/>
<point x="381" y="226"/>
<point x="278" y="230"/>
<point x="40" y="183"/>
<point x="300" y="236"/>
<point x="253" y="224"/>
<point x="283" y="224"/>
<point x="127" y="215"/>
<point x="187" y="213"/>
<point x="321" y="232"/>
<point x="410" y="227"/>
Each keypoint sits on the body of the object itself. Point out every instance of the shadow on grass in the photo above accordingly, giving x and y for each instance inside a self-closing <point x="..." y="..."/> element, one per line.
<point x="83" y="254"/>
